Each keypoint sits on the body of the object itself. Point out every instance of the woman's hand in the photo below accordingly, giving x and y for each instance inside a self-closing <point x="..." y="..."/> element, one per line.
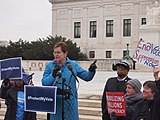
<point x="155" y="73"/>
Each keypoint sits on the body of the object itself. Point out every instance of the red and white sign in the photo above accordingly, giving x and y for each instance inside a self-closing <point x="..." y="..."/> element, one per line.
<point x="116" y="103"/>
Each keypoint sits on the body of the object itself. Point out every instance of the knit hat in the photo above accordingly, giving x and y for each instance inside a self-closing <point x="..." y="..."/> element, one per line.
<point x="135" y="84"/>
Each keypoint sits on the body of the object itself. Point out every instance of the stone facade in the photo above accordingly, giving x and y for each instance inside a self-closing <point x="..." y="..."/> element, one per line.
<point x="66" y="13"/>
<point x="102" y="65"/>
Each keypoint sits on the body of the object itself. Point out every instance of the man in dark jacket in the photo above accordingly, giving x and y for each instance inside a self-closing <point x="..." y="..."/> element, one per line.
<point x="115" y="84"/>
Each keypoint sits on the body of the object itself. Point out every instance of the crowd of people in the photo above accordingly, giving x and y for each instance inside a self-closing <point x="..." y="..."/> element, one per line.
<point x="140" y="104"/>
<point x="12" y="90"/>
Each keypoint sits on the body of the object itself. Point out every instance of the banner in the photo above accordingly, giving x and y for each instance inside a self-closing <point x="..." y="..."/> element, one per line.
<point x="116" y="103"/>
<point x="11" y="68"/>
<point x="40" y="98"/>
<point x="147" y="53"/>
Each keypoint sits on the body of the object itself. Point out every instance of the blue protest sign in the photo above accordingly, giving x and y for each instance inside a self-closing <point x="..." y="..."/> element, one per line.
<point x="40" y="98"/>
<point x="11" y="68"/>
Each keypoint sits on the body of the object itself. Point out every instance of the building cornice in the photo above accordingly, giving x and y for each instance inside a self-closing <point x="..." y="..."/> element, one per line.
<point x="63" y="1"/>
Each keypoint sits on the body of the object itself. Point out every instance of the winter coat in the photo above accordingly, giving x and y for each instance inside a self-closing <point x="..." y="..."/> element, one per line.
<point x="71" y="103"/>
<point x="134" y="106"/>
<point x="10" y="96"/>
<point x="149" y="109"/>
<point x="112" y="85"/>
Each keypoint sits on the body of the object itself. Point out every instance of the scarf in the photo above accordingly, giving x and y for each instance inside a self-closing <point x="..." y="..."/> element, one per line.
<point x="133" y="98"/>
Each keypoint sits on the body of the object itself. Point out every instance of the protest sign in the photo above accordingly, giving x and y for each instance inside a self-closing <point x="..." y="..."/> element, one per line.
<point x="116" y="103"/>
<point x="147" y="53"/>
<point x="11" y="68"/>
<point x="40" y="98"/>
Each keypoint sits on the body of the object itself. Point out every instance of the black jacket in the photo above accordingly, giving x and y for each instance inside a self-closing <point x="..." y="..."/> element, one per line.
<point x="148" y="109"/>
<point x="134" y="111"/>
<point x="10" y="96"/>
<point x="112" y="85"/>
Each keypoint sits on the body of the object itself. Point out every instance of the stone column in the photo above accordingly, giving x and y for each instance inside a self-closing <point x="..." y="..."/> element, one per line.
<point x="54" y="20"/>
<point x="118" y="23"/>
<point x="100" y="27"/>
<point x="84" y="30"/>
<point x="69" y="24"/>
<point x="135" y="24"/>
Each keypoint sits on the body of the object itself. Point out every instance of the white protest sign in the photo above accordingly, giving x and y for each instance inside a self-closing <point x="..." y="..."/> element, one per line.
<point x="147" y="53"/>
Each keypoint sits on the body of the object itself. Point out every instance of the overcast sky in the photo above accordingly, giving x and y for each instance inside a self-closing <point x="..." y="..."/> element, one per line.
<point x="26" y="19"/>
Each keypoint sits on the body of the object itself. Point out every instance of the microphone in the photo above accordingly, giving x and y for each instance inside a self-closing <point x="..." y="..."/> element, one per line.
<point x="69" y="66"/>
<point x="30" y="82"/>
<point x="58" y="75"/>
<point x="30" y="76"/>
<point x="56" y="61"/>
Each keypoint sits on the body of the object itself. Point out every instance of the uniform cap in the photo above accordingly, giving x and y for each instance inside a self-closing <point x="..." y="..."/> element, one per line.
<point x="124" y="64"/>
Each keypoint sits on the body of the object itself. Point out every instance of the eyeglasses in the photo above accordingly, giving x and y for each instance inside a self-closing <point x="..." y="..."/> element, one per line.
<point x="57" y="52"/>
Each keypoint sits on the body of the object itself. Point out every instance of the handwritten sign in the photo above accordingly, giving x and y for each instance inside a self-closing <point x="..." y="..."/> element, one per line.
<point x="147" y="53"/>
<point x="116" y="103"/>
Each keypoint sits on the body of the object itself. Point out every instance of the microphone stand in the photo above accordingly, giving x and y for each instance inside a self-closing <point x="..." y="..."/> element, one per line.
<point x="63" y="95"/>
<point x="68" y="87"/>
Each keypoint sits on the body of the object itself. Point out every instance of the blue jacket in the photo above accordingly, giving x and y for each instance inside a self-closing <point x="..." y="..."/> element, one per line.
<point x="71" y="104"/>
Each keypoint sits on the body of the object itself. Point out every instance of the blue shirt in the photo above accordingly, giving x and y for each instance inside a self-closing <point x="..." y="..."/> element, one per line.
<point x="20" y="105"/>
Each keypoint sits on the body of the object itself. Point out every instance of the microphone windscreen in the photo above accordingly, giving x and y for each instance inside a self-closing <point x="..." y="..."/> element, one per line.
<point x="69" y="66"/>
<point x="56" y="61"/>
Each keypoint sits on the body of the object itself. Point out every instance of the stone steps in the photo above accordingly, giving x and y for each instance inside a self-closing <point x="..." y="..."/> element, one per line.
<point x="89" y="111"/>
<point x="40" y="115"/>
<point x="89" y="103"/>
<point x="89" y="108"/>
<point x="87" y="117"/>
